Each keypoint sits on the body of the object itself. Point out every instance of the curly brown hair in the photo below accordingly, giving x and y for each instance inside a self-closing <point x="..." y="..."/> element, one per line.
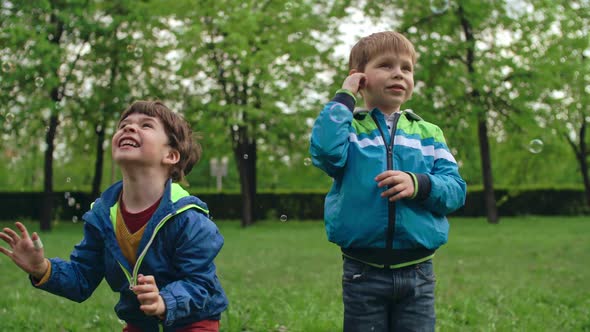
<point x="180" y="134"/>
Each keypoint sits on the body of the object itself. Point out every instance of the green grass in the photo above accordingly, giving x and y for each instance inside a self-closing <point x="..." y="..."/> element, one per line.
<point x="525" y="274"/>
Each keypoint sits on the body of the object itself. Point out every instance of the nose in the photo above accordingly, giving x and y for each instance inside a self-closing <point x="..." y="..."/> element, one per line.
<point x="130" y="128"/>
<point x="396" y="72"/>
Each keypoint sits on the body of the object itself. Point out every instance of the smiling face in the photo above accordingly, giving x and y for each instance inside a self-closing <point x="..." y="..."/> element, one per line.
<point x="141" y="140"/>
<point x="389" y="81"/>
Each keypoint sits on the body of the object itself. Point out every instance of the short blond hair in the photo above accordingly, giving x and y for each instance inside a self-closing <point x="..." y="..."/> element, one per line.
<point x="375" y="44"/>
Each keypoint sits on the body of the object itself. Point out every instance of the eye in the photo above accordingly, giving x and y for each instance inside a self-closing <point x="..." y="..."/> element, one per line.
<point x="122" y="125"/>
<point x="385" y="65"/>
<point x="147" y="125"/>
<point x="407" y="68"/>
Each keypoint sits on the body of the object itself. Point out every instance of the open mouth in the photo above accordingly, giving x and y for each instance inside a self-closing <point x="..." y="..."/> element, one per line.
<point x="128" y="142"/>
<point x="398" y="87"/>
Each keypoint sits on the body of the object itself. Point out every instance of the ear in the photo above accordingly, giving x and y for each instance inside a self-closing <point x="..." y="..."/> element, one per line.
<point x="353" y="71"/>
<point x="172" y="157"/>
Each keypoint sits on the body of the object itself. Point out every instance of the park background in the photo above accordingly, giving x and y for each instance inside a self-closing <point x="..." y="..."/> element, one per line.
<point x="507" y="81"/>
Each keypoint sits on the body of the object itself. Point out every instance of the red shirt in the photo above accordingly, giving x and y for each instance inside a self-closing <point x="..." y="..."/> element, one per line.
<point x="202" y="326"/>
<point x="135" y="221"/>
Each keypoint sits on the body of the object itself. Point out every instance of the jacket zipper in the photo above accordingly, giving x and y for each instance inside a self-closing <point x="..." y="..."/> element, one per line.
<point x="391" y="205"/>
<point x="132" y="277"/>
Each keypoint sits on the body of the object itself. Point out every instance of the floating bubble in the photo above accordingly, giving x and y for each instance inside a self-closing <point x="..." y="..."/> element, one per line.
<point x="536" y="146"/>
<point x="130" y="48"/>
<point x="71" y="201"/>
<point x="439" y="6"/>
<point x="7" y="67"/>
<point x="245" y="156"/>
<point x="283" y="218"/>
<point x="288" y="6"/>
<point x="39" y="81"/>
<point x="138" y="52"/>
<point x="74" y="219"/>
<point x="339" y="115"/>
<point x="9" y="117"/>
<point x="68" y="179"/>
<point x="307" y="161"/>
<point x="67" y="195"/>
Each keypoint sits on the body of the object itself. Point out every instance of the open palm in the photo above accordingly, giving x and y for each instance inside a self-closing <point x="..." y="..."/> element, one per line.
<point x="22" y="250"/>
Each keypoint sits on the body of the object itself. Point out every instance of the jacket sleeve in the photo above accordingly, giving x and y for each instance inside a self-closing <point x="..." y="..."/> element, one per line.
<point x="330" y="133"/>
<point x="78" y="278"/>
<point x="447" y="189"/>
<point x="197" y="245"/>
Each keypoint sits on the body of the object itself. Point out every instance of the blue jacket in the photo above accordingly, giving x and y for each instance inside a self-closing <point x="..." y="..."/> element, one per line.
<point x="177" y="248"/>
<point x="354" y="149"/>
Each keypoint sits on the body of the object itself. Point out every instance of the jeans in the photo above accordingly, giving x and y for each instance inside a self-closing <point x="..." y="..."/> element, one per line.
<point x="383" y="300"/>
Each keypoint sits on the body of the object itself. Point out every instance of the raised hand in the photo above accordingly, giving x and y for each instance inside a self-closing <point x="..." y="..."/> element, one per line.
<point x="400" y="185"/>
<point x="148" y="295"/>
<point x="355" y="82"/>
<point x="26" y="252"/>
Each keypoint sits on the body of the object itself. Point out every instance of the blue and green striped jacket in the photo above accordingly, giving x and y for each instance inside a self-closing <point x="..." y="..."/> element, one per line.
<point x="353" y="150"/>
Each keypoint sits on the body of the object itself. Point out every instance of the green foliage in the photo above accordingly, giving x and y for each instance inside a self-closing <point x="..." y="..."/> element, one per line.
<point x="269" y="67"/>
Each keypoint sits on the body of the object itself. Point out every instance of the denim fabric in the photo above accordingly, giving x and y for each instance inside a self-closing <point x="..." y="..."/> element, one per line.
<point x="383" y="300"/>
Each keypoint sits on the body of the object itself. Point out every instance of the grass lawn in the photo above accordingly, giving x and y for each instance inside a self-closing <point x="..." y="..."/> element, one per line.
<point x="525" y="274"/>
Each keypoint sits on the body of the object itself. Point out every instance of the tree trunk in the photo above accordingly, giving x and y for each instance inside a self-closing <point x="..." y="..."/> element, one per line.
<point x="583" y="160"/>
<point x="56" y="96"/>
<point x="482" y="129"/>
<point x="486" y="170"/>
<point x="245" y="154"/>
<point x="47" y="200"/>
<point x="98" y="164"/>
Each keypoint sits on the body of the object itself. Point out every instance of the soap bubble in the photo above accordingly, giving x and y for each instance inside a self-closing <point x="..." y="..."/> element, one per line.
<point x="439" y="6"/>
<point x="283" y="218"/>
<point x="307" y="161"/>
<point x="39" y="81"/>
<point x="536" y="146"/>
<point x="7" y="67"/>
<point x="339" y="115"/>
<point x="9" y="117"/>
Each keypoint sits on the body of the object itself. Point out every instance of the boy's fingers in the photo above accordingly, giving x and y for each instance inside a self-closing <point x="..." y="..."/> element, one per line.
<point x="37" y="241"/>
<point x="384" y="175"/>
<point x="146" y="279"/>
<point x="12" y="234"/>
<point x="148" y="308"/>
<point x="22" y="229"/>
<point x="144" y="288"/>
<point x="148" y="297"/>
<point x="7" y="239"/>
<point x="362" y="82"/>
<point x="6" y="251"/>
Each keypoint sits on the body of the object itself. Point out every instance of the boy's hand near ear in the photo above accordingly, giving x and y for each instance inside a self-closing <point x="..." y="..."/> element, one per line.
<point x="355" y="82"/>
<point x="148" y="294"/>
<point x="26" y="252"/>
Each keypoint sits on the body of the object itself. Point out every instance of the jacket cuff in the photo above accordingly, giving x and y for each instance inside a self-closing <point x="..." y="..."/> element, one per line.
<point x="168" y="318"/>
<point x="346" y="98"/>
<point x="422" y="186"/>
